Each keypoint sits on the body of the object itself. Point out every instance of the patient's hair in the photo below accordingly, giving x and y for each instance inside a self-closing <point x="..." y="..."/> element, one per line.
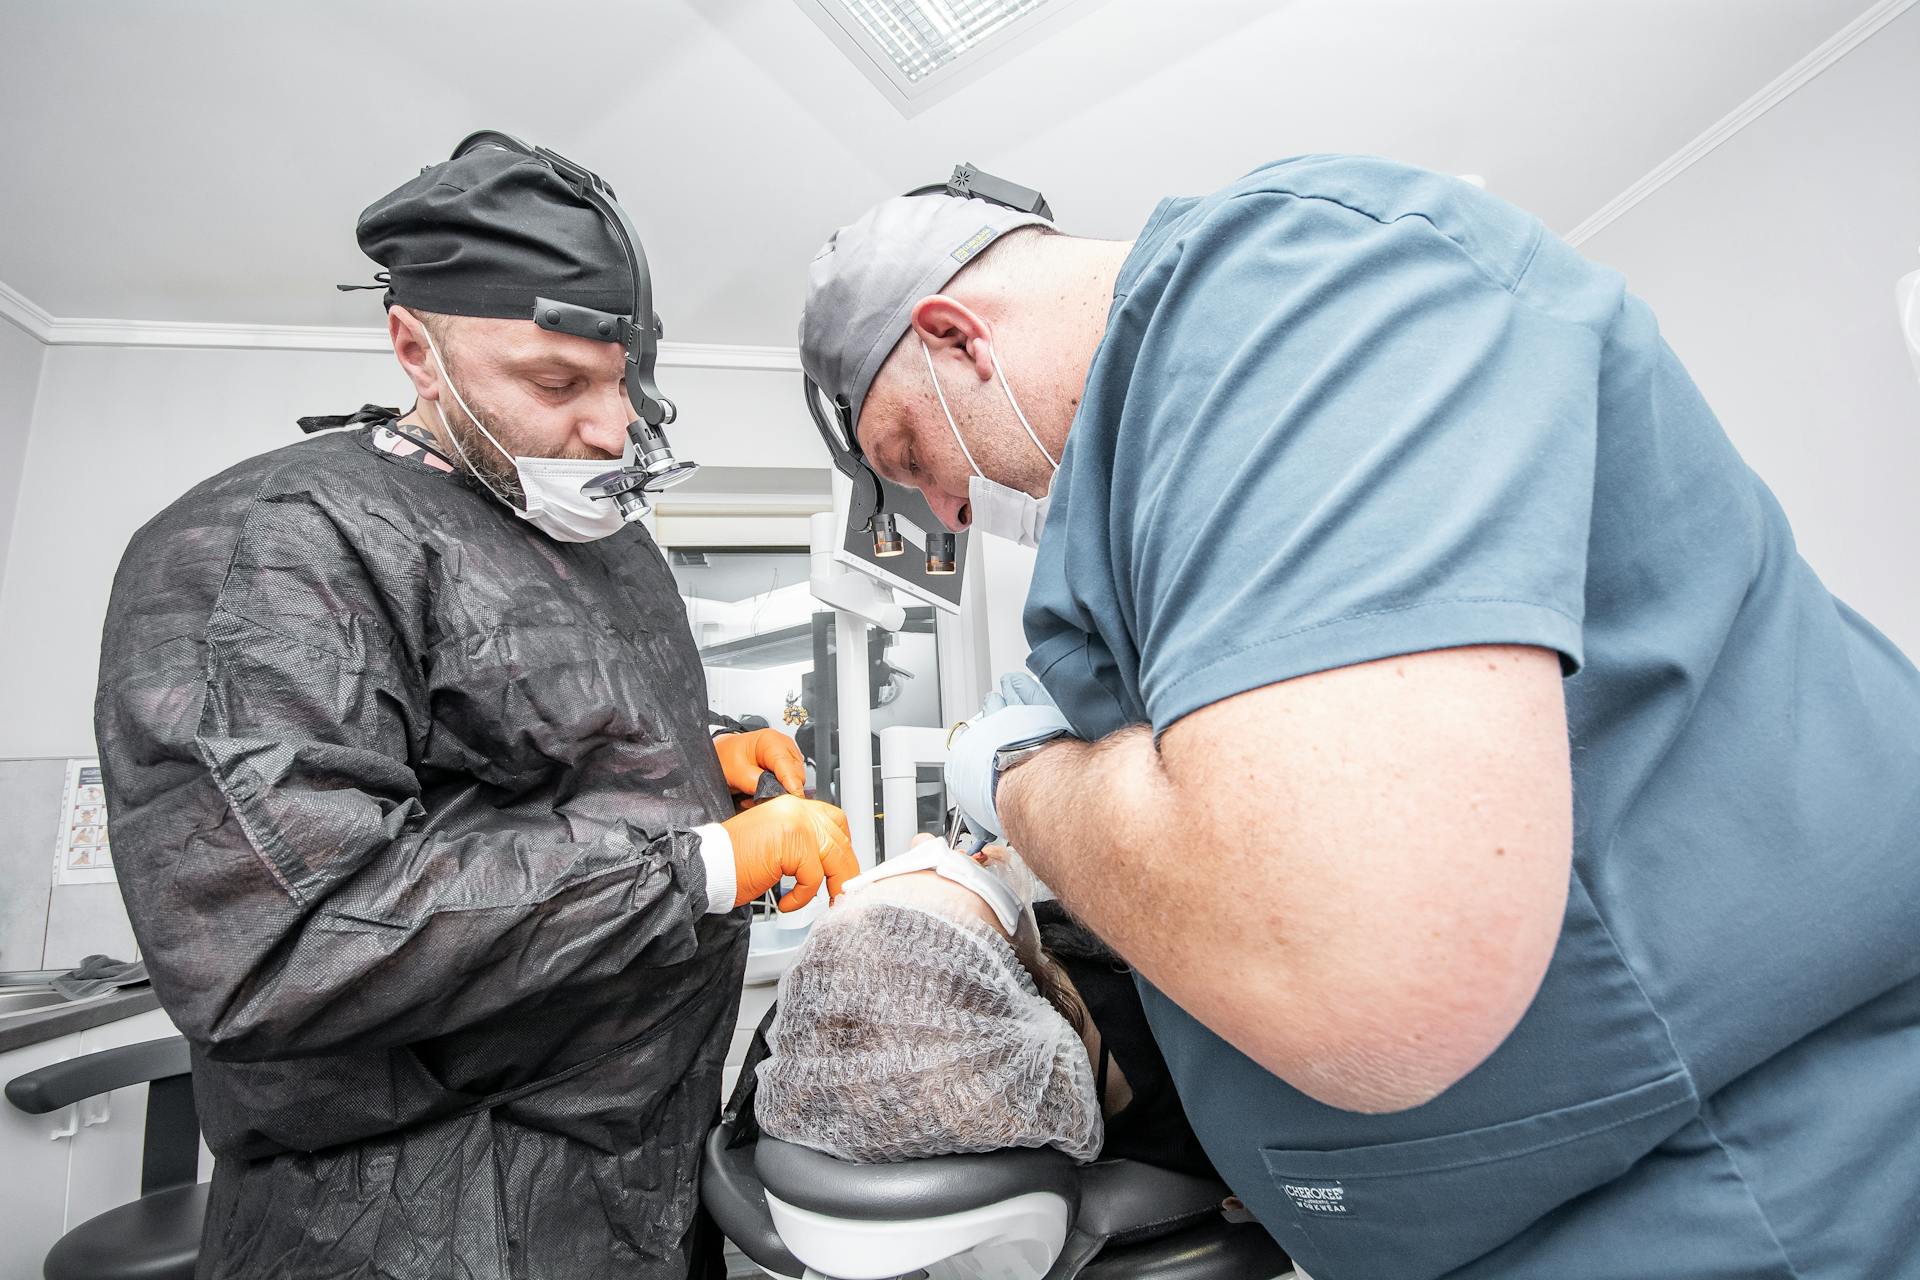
<point x="1049" y="978"/>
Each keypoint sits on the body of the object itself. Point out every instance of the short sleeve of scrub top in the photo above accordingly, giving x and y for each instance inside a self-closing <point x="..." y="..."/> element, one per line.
<point x="1326" y="437"/>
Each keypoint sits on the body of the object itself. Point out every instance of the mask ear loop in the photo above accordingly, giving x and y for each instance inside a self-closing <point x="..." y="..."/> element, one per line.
<point x="952" y="426"/>
<point x="1007" y="387"/>
<point x="447" y="380"/>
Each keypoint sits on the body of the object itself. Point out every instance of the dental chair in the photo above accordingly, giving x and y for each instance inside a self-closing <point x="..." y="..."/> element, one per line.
<point x="1018" y="1214"/>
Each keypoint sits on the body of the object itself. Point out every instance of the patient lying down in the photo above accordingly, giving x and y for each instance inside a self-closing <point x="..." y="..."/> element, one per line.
<point x="916" y="1022"/>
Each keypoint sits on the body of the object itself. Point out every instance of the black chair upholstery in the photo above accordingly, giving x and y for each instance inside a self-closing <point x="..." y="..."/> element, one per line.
<point x="64" y="1083"/>
<point x="1141" y="1222"/>
<point x="1127" y="1200"/>
<point x="735" y="1198"/>
<point x="1212" y="1250"/>
<point x="156" y="1237"/>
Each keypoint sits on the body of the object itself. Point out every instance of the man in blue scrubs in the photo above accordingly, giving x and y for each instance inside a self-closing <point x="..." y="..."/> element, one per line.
<point x="1518" y="845"/>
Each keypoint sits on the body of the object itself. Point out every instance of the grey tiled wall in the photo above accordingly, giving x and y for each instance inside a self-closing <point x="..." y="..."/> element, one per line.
<point x="43" y="925"/>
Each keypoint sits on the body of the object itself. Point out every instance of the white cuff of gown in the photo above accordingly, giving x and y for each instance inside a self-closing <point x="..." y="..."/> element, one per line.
<point x="716" y="852"/>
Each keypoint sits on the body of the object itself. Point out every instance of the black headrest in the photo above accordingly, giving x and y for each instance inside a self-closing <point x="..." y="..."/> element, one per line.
<point x="732" y="1193"/>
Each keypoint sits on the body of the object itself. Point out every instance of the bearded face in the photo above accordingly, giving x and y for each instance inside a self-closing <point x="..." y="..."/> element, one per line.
<point x="511" y="389"/>
<point x="472" y="446"/>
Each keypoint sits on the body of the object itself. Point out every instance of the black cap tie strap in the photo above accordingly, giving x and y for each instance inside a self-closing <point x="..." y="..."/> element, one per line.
<point x="366" y="413"/>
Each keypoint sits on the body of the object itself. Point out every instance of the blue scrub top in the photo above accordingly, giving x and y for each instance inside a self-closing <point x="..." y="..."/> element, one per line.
<point x="1346" y="409"/>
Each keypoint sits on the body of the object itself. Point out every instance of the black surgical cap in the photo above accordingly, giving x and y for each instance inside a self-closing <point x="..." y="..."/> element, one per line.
<point x="486" y="234"/>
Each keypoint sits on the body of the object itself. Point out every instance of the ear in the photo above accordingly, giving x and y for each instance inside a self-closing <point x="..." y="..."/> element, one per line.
<point x="409" y="337"/>
<point x="942" y="322"/>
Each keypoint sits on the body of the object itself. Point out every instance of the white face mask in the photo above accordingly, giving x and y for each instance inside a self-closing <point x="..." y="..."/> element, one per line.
<point x="998" y="509"/>
<point x="550" y="486"/>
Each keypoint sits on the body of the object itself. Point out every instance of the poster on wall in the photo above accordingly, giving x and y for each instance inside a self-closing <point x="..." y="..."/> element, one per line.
<point x="82" y="855"/>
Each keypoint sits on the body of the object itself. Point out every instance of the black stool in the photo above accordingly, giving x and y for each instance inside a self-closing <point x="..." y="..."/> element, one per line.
<point x="156" y="1237"/>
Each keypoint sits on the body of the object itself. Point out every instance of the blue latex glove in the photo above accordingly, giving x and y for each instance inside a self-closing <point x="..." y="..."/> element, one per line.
<point x="1017" y="689"/>
<point x="1018" y="713"/>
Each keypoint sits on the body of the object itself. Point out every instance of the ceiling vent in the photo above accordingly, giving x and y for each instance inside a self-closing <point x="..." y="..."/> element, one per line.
<point x="918" y="51"/>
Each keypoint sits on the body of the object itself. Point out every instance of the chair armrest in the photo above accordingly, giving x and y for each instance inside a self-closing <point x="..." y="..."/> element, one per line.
<point x="64" y="1083"/>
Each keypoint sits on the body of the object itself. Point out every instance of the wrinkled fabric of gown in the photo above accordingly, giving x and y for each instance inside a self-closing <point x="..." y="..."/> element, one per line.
<point x="401" y="793"/>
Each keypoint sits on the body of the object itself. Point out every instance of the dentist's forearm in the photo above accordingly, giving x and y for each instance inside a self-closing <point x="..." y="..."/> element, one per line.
<point x="1112" y="834"/>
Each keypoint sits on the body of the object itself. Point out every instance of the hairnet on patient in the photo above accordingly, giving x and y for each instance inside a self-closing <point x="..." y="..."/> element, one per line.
<point x="902" y="1033"/>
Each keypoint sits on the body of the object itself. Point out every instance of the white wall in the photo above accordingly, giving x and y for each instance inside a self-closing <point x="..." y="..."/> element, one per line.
<point x="1771" y="265"/>
<point x="20" y="357"/>
<point x="120" y="432"/>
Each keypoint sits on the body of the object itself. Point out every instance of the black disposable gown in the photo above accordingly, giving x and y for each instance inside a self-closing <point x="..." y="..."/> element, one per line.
<point x="401" y="792"/>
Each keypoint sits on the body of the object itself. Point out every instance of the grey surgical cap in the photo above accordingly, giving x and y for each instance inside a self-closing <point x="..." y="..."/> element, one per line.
<point x="865" y="280"/>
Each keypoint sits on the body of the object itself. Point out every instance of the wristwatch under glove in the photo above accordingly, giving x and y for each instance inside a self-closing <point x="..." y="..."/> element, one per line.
<point x="1016" y="722"/>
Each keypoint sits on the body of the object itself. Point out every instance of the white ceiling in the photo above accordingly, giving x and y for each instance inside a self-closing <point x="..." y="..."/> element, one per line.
<point x="205" y="160"/>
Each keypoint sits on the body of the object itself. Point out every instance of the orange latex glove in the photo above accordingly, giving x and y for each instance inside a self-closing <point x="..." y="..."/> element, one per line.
<point x="790" y="836"/>
<point x="744" y="756"/>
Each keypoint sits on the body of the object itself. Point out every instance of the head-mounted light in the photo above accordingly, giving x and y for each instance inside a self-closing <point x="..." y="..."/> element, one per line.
<point x="638" y="331"/>
<point x="833" y="419"/>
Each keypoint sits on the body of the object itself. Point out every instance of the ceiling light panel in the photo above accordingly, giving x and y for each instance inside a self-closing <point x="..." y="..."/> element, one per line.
<point x="923" y="36"/>
<point x="916" y="51"/>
